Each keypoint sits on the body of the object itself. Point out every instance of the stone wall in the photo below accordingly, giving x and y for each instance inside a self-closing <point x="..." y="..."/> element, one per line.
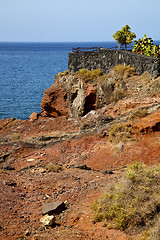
<point x="105" y="59"/>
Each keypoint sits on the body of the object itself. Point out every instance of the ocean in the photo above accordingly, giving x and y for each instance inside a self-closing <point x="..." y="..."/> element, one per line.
<point x="27" y="69"/>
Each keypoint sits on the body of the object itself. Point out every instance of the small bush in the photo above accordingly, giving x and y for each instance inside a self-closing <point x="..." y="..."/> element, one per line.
<point x="138" y="113"/>
<point x="155" y="232"/>
<point x="62" y="74"/>
<point x="154" y="87"/>
<point x="53" y="168"/>
<point x="117" y="94"/>
<point x="119" y="132"/>
<point x="132" y="202"/>
<point x="14" y="136"/>
<point x="103" y="78"/>
<point x="123" y="71"/>
<point x="88" y="76"/>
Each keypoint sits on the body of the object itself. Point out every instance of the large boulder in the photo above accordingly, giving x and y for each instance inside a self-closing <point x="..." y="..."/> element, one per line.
<point x="54" y="102"/>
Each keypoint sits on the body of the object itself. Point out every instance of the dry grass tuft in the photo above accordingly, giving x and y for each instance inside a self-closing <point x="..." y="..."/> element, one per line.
<point x="117" y="94"/>
<point x="62" y="74"/>
<point x="123" y="71"/>
<point x="155" y="231"/>
<point x="154" y="87"/>
<point x="119" y="132"/>
<point x="137" y="114"/>
<point x="53" y="168"/>
<point x="132" y="202"/>
<point x="88" y="76"/>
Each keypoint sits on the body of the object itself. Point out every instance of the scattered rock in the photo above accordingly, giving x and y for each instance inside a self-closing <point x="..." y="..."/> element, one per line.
<point x="34" y="116"/>
<point x="53" y="208"/>
<point x="82" y="166"/>
<point x="30" y="160"/>
<point x="107" y="172"/>
<point x="41" y="229"/>
<point x="27" y="233"/>
<point x="10" y="183"/>
<point x="48" y="220"/>
<point x="9" y="168"/>
<point x="43" y="138"/>
<point x="1" y="228"/>
<point x="4" y="156"/>
<point x="150" y="123"/>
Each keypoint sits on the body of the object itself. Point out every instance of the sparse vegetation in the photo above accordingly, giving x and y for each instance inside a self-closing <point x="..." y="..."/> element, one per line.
<point x="138" y="113"/>
<point x="103" y="78"/>
<point x="155" y="231"/>
<point x="88" y="76"/>
<point x="12" y="137"/>
<point x="132" y="202"/>
<point x="115" y="82"/>
<point x="15" y="136"/>
<point x="118" y="94"/>
<point x="62" y="74"/>
<point x="119" y="132"/>
<point x="154" y="87"/>
<point x="123" y="71"/>
<point x="53" y="168"/>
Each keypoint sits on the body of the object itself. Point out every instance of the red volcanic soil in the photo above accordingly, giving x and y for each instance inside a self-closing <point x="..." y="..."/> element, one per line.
<point x="89" y="161"/>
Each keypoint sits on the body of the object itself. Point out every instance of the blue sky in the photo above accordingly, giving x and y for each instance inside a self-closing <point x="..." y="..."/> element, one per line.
<point x="76" y="20"/>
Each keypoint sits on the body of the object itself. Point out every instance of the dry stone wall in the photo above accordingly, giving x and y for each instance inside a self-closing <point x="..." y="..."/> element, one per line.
<point x="105" y="59"/>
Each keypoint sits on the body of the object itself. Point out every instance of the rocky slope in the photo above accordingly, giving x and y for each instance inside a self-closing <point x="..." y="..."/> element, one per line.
<point x="90" y="128"/>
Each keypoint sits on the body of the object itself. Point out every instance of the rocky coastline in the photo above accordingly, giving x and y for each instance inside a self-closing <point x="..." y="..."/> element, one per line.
<point x="70" y="151"/>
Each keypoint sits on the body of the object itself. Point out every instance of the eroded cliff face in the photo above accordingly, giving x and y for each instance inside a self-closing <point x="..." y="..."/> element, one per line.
<point x="69" y="96"/>
<point x="73" y="96"/>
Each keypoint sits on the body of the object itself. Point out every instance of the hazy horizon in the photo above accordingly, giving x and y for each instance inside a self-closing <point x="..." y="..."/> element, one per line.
<point x="80" y="21"/>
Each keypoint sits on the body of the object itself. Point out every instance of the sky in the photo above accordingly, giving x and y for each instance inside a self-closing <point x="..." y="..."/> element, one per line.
<point x="76" y="20"/>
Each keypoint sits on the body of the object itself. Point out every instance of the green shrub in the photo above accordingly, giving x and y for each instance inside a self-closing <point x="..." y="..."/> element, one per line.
<point x="145" y="45"/>
<point x="119" y="132"/>
<point x="132" y="202"/>
<point x="88" y="76"/>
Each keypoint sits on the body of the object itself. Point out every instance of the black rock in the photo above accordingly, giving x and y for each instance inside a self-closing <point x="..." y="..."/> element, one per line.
<point x="107" y="172"/>
<point x="53" y="208"/>
<point x="41" y="229"/>
<point x="82" y="166"/>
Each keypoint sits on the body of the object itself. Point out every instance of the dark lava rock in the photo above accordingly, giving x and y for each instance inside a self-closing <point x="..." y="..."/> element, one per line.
<point x="82" y="166"/>
<point x="107" y="172"/>
<point x="53" y="208"/>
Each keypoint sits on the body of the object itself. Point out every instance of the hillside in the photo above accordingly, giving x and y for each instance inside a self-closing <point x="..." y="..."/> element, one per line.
<point x="91" y="127"/>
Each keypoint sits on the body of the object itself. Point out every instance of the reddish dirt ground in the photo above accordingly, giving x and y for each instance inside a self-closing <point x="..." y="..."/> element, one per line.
<point x="26" y="186"/>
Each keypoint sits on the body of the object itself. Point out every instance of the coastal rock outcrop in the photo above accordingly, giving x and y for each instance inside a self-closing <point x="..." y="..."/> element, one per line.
<point x="69" y="96"/>
<point x="54" y="102"/>
<point x="75" y="95"/>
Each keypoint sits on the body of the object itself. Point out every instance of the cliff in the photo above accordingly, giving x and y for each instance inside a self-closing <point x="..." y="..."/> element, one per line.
<point x="91" y="126"/>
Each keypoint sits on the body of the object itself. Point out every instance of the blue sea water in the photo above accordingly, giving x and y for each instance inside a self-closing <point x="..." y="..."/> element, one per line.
<point x="27" y="69"/>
